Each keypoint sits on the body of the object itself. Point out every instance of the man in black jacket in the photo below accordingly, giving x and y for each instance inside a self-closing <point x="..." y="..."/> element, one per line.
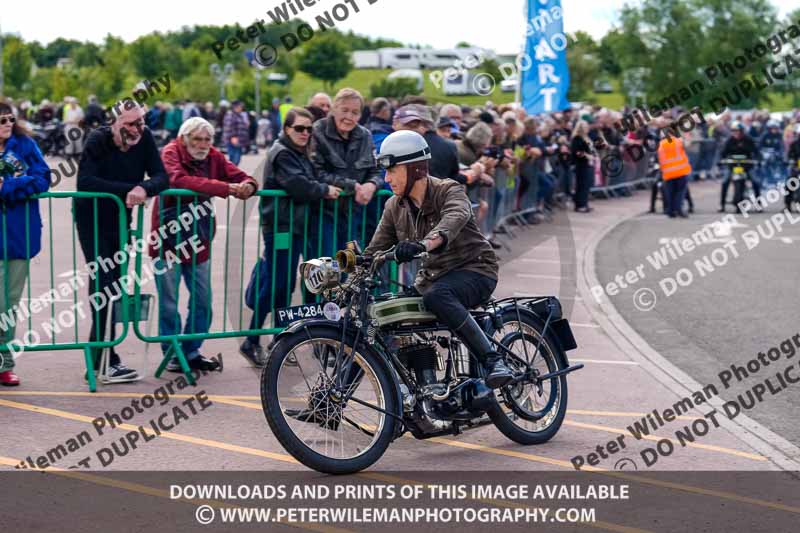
<point x="115" y="160"/>
<point x="344" y="156"/>
<point x="739" y="144"/>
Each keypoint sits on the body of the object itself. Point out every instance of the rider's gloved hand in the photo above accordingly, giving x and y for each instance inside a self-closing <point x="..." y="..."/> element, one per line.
<point x="407" y="250"/>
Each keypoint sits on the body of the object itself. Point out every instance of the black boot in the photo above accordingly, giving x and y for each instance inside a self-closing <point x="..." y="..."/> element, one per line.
<point x="498" y="374"/>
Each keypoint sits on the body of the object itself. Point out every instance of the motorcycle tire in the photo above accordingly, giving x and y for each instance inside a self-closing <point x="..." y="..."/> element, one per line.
<point x="510" y="418"/>
<point x="375" y="369"/>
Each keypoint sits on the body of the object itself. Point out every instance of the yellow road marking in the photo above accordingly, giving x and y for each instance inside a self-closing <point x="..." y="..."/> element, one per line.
<point x="655" y="438"/>
<point x="710" y="447"/>
<point x="706" y="492"/>
<point x="467" y="445"/>
<point x="621" y="413"/>
<point x="258" y="399"/>
<point x="510" y="453"/>
<point x="166" y="434"/>
<point x="159" y="493"/>
<point x="115" y="395"/>
<point x="236" y="401"/>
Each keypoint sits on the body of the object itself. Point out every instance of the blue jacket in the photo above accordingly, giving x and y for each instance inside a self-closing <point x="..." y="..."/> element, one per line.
<point x="31" y="177"/>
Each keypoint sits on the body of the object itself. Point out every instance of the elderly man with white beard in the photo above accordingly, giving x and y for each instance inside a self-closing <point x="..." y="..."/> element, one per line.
<point x="192" y="163"/>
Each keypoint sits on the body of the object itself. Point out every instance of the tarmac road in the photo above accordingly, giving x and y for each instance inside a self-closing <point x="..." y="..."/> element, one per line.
<point x="724" y="317"/>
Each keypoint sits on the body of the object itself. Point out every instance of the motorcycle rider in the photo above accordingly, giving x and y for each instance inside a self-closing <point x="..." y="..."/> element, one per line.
<point x="773" y="139"/>
<point x="772" y="142"/>
<point x="428" y="214"/>
<point x="739" y="144"/>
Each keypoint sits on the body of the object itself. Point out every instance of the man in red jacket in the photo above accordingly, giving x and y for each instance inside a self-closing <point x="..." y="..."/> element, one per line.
<point x="192" y="163"/>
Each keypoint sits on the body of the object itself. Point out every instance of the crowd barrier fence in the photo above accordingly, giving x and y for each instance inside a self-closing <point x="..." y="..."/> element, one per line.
<point x="40" y="276"/>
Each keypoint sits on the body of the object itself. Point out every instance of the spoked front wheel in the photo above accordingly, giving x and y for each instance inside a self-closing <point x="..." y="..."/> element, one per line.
<point x="530" y="412"/>
<point x="329" y="428"/>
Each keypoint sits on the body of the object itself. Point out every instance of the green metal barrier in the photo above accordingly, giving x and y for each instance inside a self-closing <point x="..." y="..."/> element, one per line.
<point x="35" y="277"/>
<point x="321" y="234"/>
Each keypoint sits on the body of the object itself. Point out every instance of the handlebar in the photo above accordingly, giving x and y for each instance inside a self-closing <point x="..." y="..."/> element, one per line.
<point x="390" y="254"/>
<point x="348" y="259"/>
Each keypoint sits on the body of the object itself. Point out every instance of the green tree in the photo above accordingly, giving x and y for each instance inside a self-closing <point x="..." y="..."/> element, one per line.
<point x="286" y="64"/>
<point x="86" y="55"/>
<point x="675" y="40"/>
<point x="114" y="78"/>
<point x="17" y="62"/>
<point x="609" y="62"/>
<point x="491" y="67"/>
<point x="584" y="65"/>
<point x="56" y="50"/>
<point x="327" y="58"/>
<point x="397" y="88"/>
<point x="149" y="56"/>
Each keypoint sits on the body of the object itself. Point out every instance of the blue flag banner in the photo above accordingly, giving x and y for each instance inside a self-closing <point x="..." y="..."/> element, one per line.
<point x="544" y="75"/>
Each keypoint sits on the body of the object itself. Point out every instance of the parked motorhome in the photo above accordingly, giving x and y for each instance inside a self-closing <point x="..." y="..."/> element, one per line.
<point x="366" y="59"/>
<point x="399" y="58"/>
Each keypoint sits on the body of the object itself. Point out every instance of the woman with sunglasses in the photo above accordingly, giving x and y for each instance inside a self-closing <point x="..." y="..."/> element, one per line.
<point x="23" y="173"/>
<point x="287" y="168"/>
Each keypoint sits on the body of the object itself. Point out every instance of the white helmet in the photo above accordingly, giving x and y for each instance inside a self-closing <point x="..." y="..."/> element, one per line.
<point x="403" y="147"/>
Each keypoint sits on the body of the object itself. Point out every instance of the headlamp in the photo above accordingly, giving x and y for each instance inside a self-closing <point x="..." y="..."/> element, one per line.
<point x="320" y="274"/>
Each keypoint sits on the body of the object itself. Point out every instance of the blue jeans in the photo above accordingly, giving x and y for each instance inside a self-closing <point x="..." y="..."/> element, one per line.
<point x="265" y="292"/>
<point x="546" y="188"/>
<point x="234" y="154"/>
<point x="198" y="281"/>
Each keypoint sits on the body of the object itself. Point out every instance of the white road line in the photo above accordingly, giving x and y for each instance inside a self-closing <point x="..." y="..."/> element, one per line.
<point x="538" y="276"/>
<point x="576" y="298"/>
<point x="580" y="325"/>
<point x="603" y="361"/>
<point x="549" y="261"/>
<point x="48" y="300"/>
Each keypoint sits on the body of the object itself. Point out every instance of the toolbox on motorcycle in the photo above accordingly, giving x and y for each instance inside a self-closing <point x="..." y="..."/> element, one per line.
<point x="542" y="307"/>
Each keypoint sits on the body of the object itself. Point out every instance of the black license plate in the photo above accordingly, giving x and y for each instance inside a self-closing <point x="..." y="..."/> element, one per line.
<point x="284" y="316"/>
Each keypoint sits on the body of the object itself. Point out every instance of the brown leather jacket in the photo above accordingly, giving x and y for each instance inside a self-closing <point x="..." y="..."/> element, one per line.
<point x="447" y="211"/>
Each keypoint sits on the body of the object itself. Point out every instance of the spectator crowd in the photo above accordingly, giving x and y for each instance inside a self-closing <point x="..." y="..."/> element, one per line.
<point x="517" y="168"/>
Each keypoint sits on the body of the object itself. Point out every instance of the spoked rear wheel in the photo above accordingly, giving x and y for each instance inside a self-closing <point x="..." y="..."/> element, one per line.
<point x="329" y="429"/>
<point x="530" y="412"/>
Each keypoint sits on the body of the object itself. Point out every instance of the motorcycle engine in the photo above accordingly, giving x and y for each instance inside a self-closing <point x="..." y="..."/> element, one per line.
<point x="421" y="358"/>
<point x="438" y="402"/>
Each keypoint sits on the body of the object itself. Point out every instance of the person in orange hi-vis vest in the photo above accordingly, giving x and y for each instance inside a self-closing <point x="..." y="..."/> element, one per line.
<point x="675" y="171"/>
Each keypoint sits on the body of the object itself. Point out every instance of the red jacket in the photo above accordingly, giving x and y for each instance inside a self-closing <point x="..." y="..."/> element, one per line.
<point x="209" y="177"/>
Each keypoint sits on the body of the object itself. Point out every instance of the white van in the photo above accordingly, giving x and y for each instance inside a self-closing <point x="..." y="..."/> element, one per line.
<point x="399" y="57"/>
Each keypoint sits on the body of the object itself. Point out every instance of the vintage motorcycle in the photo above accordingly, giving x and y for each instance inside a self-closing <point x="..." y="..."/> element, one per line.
<point x="355" y="371"/>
